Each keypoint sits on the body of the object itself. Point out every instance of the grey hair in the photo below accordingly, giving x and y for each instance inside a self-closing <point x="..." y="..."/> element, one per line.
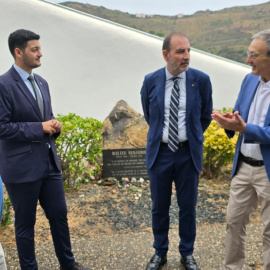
<point x="265" y="36"/>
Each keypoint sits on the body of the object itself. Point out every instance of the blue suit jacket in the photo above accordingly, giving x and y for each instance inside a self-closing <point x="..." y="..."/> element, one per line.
<point x="198" y="111"/>
<point x="23" y="145"/>
<point x="253" y="133"/>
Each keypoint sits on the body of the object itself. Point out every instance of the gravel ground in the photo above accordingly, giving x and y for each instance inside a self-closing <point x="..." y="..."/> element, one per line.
<point x="110" y="229"/>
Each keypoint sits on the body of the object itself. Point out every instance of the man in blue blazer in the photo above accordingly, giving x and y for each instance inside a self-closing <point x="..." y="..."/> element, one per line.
<point x="29" y="165"/>
<point x="251" y="168"/>
<point x="175" y="154"/>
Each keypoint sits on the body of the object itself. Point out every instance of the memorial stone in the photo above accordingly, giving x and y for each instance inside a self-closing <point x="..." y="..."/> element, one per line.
<point x="124" y="142"/>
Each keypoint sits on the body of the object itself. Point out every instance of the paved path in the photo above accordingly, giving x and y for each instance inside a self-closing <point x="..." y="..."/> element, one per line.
<point x="132" y="251"/>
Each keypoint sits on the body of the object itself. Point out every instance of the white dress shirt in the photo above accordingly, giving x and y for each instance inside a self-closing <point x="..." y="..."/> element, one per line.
<point x="257" y="112"/>
<point x="182" y="132"/>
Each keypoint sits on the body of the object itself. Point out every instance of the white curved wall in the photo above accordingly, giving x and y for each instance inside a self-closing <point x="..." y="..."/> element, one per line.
<point x="91" y="64"/>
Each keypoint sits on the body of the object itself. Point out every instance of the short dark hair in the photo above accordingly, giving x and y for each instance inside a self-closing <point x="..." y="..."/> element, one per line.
<point x="167" y="40"/>
<point x="19" y="39"/>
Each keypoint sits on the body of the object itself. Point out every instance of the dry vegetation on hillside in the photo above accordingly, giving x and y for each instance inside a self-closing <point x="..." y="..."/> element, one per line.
<point x="225" y="33"/>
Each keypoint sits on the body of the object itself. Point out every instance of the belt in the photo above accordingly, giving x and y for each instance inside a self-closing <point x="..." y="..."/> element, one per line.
<point x="251" y="161"/>
<point x="180" y="145"/>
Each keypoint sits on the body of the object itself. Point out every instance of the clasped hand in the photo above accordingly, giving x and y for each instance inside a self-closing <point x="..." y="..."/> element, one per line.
<point x="52" y="126"/>
<point x="230" y="121"/>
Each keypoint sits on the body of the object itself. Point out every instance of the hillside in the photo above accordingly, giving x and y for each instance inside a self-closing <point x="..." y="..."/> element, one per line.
<point x="225" y="33"/>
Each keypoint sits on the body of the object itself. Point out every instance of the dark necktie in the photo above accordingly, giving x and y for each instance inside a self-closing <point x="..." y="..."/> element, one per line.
<point x="173" y="117"/>
<point x="37" y="94"/>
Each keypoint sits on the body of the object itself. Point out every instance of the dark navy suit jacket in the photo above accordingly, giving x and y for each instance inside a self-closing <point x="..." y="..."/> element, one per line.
<point x="198" y="111"/>
<point x="24" y="148"/>
<point x="253" y="133"/>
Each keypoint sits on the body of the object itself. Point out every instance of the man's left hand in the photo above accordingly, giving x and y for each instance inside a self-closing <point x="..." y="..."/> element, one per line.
<point x="57" y="125"/>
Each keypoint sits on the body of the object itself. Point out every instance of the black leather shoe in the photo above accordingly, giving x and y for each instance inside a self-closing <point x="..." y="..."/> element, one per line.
<point x="156" y="262"/>
<point x="189" y="262"/>
<point x="77" y="266"/>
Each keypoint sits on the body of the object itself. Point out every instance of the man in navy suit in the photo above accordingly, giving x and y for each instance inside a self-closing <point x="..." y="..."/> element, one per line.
<point x="183" y="163"/>
<point x="29" y="165"/>
<point x="251" y="168"/>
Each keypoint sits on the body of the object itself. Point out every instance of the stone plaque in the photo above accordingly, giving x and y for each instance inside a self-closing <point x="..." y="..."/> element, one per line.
<point x="121" y="163"/>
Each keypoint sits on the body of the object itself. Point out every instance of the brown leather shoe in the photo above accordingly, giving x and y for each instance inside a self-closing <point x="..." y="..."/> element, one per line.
<point x="77" y="266"/>
<point x="156" y="262"/>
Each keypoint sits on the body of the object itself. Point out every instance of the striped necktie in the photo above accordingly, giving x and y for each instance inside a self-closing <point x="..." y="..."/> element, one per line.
<point x="37" y="94"/>
<point x="173" y="117"/>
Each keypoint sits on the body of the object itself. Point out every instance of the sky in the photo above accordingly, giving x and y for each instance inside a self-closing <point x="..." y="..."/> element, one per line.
<point x="166" y="7"/>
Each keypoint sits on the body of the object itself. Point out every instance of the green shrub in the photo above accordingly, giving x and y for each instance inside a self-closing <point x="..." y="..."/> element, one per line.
<point x="78" y="147"/>
<point x="160" y="34"/>
<point x="6" y="215"/>
<point x="79" y="151"/>
<point x="218" y="149"/>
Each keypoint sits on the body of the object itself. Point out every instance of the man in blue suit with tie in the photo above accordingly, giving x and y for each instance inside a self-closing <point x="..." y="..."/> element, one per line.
<point x="251" y="168"/>
<point x="29" y="165"/>
<point x="177" y="105"/>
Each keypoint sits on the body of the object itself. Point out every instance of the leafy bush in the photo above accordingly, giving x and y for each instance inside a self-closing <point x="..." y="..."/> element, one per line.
<point x="78" y="147"/>
<point x="218" y="149"/>
<point x="79" y="151"/>
<point x="6" y="215"/>
<point x="160" y="34"/>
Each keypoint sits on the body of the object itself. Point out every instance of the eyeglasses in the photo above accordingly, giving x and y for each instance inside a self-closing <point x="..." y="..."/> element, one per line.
<point x="253" y="55"/>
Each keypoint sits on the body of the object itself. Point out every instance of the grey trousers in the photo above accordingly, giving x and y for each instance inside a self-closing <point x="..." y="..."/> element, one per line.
<point x="250" y="188"/>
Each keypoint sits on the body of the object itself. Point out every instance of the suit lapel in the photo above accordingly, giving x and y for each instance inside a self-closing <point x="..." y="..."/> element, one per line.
<point x="160" y="82"/>
<point x="249" y="97"/>
<point x="160" y="88"/>
<point x="267" y="118"/>
<point x="190" y="91"/>
<point x="23" y="88"/>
